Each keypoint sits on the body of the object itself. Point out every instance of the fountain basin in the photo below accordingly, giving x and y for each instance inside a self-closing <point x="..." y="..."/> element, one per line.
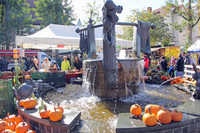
<point x="113" y="83"/>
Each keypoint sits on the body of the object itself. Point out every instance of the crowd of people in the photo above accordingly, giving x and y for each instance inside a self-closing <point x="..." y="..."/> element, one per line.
<point x="176" y="67"/>
<point x="65" y="63"/>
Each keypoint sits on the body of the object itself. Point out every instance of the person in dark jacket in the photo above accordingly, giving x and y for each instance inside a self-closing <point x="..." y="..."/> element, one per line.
<point x="180" y="67"/>
<point x="77" y="63"/>
<point x="163" y="64"/>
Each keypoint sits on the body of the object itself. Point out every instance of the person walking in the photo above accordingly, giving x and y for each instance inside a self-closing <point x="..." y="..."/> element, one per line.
<point x="65" y="65"/>
<point x="180" y="67"/>
<point x="146" y="64"/>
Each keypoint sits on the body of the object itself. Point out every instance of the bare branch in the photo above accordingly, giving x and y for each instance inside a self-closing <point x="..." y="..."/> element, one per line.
<point x="196" y="22"/>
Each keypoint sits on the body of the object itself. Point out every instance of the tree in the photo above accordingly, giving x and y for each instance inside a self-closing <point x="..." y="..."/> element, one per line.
<point x="190" y="14"/>
<point x="54" y="11"/>
<point x="159" y="35"/>
<point x="93" y="13"/>
<point x="14" y="20"/>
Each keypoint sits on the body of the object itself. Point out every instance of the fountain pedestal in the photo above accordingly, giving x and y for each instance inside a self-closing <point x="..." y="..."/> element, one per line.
<point x="113" y="83"/>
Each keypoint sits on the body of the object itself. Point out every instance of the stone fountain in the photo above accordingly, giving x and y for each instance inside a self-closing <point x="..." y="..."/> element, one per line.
<point x="112" y="77"/>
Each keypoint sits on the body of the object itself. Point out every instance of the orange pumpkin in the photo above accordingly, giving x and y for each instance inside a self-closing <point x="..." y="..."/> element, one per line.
<point x="55" y="115"/>
<point x="22" y="127"/>
<point x="164" y="77"/>
<point x="44" y="113"/>
<point x="149" y="119"/>
<point x="9" y="118"/>
<point x="135" y="109"/>
<point x="164" y="116"/>
<point x="7" y="131"/>
<point x="11" y="126"/>
<point x="31" y="131"/>
<point x="21" y="103"/>
<point x="30" y="103"/>
<point x="176" y="115"/>
<point x="154" y="108"/>
<point x="18" y="119"/>
<point x="3" y="125"/>
<point x="27" y="77"/>
<point x="61" y="108"/>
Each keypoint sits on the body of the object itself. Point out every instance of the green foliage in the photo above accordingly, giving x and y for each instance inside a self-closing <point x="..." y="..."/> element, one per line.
<point x="53" y="11"/>
<point x="14" y="20"/>
<point x="188" y="13"/>
<point x="159" y="35"/>
<point x="93" y="9"/>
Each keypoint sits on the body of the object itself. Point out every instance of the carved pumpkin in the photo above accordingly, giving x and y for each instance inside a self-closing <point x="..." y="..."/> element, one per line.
<point x="55" y="115"/>
<point x="3" y="125"/>
<point x="149" y="119"/>
<point x="30" y="103"/>
<point x="176" y="115"/>
<point x="135" y="109"/>
<point x="21" y="103"/>
<point x="154" y="108"/>
<point x="9" y="118"/>
<point x="7" y="131"/>
<point x="22" y="127"/>
<point x="61" y="108"/>
<point x="27" y="76"/>
<point x="31" y="131"/>
<point x="164" y="116"/>
<point x="44" y="113"/>
<point x="11" y="126"/>
<point x="18" y="119"/>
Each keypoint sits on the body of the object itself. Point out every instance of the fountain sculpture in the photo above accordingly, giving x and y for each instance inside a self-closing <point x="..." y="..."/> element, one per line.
<point x="112" y="77"/>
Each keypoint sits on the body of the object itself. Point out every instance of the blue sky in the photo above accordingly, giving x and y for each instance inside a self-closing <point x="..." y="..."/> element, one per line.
<point x="128" y="5"/>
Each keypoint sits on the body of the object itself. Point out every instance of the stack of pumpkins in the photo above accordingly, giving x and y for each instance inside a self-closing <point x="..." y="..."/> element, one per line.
<point x="53" y="115"/>
<point x="154" y="113"/>
<point x="13" y="123"/>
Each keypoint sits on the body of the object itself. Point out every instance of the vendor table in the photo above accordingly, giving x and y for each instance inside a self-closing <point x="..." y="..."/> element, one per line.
<point x="72" y="75"/>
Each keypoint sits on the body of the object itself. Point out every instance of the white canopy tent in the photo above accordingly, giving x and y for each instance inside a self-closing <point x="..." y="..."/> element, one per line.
<point x="194" y="48"/>
<point x="62" y="37"/>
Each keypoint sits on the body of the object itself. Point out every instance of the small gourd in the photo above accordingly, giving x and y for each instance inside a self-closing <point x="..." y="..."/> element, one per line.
<point x="30" y="103"/>
<point x="7" y="131"/>
<point x="149" y="119"/>
<point x="44" y="113"/>
<point x="22" y="127"/>
<point x="135" y="109"/>
<point x="21" y="103"/>
<point x="164" y="116"/>
<point x="55" y="115"/>
<point x="27" y="77"/>
<point x="9" y="118"/>
<point x="154" y="108"/>
<point x="18" y="119"/>
<point x="11" y="126"/>
<point x="176" y="115"/>
<point x="3" y="125"/>
<point x="59" y="107"/>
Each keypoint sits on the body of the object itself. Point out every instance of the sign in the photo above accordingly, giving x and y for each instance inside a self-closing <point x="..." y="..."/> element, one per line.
<point x="60" y="46"/>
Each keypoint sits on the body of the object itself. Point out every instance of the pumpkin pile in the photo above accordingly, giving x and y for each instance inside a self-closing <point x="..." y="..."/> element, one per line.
<point x="13" y="123"/>
<point x="54" y="115"/>
<point x="154" y="113"/>
<point x="177" y="80"/>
